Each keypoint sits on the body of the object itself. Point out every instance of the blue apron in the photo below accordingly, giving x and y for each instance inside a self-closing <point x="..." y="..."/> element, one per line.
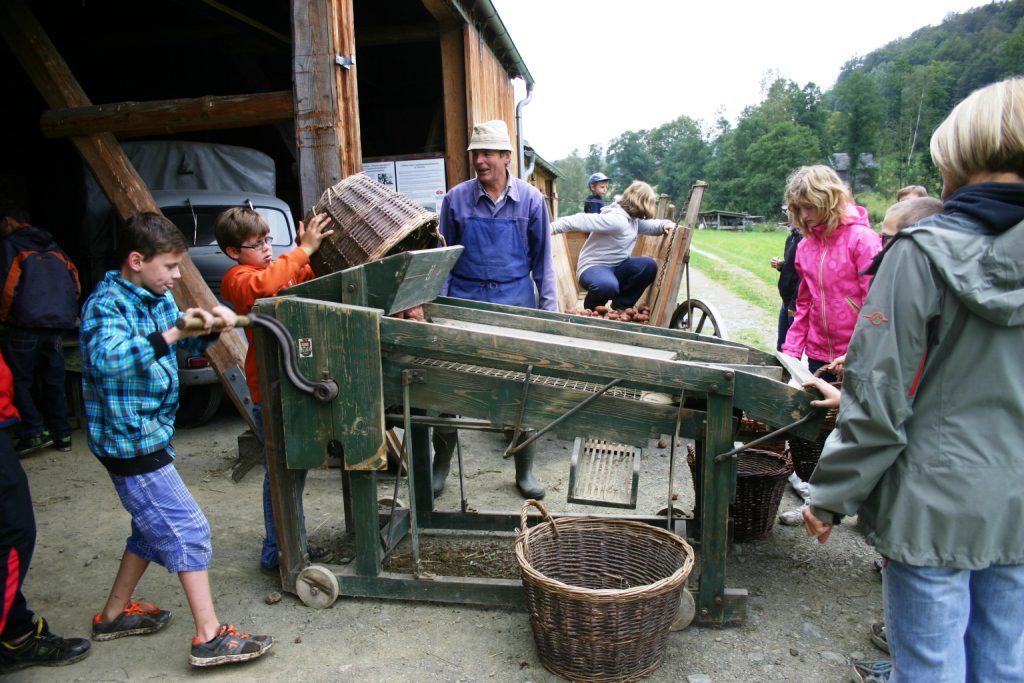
<point x="494" y="266"/>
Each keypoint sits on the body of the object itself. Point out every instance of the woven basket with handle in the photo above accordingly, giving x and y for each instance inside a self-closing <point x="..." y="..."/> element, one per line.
<point x="602" y="593"/>
<point x="760" y="481"/>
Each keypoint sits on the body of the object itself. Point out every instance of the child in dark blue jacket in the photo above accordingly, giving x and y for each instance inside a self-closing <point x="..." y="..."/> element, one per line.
<point x="39" y="292"/>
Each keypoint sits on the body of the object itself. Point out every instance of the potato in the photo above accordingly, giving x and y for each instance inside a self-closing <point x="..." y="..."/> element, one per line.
<point x="600" y="309"/>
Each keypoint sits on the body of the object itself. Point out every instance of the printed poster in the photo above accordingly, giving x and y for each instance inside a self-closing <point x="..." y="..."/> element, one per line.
<point x="422" y="181"/>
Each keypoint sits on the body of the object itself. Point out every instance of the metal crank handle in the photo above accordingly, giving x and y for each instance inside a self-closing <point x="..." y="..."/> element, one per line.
<point x="193" y="324"/>
<point x="325" y="390"/>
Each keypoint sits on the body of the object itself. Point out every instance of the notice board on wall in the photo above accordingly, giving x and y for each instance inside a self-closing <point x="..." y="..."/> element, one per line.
<point x="421" y="180"/>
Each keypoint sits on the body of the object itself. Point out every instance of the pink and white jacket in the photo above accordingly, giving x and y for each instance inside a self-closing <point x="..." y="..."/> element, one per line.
<point x="832" y="289"/>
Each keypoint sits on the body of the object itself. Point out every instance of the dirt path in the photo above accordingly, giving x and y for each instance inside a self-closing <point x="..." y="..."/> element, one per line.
<point x="744" y="321"/>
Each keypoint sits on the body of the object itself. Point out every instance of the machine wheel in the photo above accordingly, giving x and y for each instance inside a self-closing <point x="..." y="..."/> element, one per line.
<point x="198" y="404"/>
<point x="687" y="611"/>
<point x="706" y="320"/>
<point x="317" y="586"/>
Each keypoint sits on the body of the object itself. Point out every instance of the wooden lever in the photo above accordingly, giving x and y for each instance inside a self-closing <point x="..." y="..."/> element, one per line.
<point x="196" y="324"/>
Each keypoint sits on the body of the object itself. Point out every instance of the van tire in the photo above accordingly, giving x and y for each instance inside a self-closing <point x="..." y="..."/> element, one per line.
<point x="198" y="404"/>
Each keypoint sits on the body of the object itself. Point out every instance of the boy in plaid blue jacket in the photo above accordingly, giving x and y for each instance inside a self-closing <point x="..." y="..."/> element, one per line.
<point x="130" y="387"/>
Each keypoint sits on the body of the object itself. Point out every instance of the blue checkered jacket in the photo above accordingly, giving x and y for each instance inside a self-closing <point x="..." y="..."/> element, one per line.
<point x="129" y="374"/>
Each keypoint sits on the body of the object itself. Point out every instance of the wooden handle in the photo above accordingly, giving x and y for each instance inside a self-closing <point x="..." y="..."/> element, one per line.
<point x="196" y="324"/>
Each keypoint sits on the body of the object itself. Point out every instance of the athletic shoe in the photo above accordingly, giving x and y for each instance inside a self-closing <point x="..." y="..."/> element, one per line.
<point x="62" y="443"/>
<point x="794" y="517"/>
<point x="867" y="671"/>
<point x="42" y="648"/>
<point x="137" y="619"/>
<point x="228" y="646"/>
<point x="878" y="636"/>
<point x="31" y="444"/>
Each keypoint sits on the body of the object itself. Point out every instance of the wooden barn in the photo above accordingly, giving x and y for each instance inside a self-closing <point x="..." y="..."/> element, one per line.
<point x="321" y="86"/>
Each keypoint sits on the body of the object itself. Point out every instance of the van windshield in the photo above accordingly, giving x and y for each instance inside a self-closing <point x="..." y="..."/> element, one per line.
<point x="199" y="232"/>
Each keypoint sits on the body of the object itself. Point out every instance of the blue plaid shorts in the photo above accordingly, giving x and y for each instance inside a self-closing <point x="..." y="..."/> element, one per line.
<point x="167" y="525"/>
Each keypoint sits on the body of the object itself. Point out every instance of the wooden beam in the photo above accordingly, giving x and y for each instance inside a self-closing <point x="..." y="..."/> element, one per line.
<point x="453" y="73"/>
<point x="345" y="82"/>
<point x="163" y="117"/>
<point x="326" y="97"/>
<point x="456" y="126"/>
<point x="116" y="176"/>
<point x="398" y="34"/>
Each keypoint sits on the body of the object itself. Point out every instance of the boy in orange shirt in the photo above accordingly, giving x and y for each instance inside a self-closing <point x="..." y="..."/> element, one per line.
<point x="244" y="236"/>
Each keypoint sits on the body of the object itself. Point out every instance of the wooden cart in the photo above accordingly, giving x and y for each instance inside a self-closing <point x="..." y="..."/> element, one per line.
<point x="671" y="253"/>
<point x="345" y="362"/>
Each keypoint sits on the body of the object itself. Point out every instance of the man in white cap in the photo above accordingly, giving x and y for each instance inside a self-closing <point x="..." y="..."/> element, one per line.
<point x="503" y="224"/>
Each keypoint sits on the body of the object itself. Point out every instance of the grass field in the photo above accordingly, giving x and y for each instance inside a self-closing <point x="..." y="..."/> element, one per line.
<point x="745" y="265"/>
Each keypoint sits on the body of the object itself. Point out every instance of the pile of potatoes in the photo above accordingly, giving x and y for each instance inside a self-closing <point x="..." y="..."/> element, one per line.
<point x="640" y="314"/>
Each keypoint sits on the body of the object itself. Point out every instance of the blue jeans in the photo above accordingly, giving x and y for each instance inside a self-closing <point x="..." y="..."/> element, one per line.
<point x="785" y="320"/>
<point x="955" y="625"/>
<point x="623" y="284"/>
<point x="29" y="351"/>
<point x="268" y="553"/>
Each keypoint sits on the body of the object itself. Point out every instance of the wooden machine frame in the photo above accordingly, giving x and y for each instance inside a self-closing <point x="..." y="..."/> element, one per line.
<point x="475" y="368"/>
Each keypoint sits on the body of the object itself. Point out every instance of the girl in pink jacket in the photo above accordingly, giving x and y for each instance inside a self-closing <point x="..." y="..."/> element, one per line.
<point x="838" y="246"/>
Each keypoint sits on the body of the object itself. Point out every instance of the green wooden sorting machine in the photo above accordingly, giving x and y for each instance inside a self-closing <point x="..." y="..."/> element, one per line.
<point x="333" y="365"/>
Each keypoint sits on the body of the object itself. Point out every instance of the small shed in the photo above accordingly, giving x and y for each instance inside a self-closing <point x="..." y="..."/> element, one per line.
<point x="544" y="176"/>
<point x="728" y="220"/>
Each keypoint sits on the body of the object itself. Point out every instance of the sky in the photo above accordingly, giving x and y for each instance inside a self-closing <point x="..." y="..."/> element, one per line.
<point x="602" y="67"/>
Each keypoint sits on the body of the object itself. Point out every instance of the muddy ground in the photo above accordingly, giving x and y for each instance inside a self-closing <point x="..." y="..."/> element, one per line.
<point x="810" y="606"/>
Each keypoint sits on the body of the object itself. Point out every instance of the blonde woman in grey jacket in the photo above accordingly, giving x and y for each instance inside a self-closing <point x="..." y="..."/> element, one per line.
<point x="606" y="268"/>
<point x="927" y="446"/>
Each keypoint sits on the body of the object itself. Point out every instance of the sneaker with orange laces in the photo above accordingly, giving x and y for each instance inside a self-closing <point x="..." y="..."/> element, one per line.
<point x="137" y="619"/>
<point x="228" y="646"/>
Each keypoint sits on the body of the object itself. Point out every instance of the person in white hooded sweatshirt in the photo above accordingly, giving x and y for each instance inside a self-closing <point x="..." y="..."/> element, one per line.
<point x="606" y="268"/>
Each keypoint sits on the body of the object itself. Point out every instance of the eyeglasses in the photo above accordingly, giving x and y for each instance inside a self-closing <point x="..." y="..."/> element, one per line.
<point x="265" y="242"/>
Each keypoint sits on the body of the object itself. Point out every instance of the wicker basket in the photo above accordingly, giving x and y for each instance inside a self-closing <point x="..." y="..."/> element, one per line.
<point x="805" y="453"/>
<point x="602" y="594"/>
<point x="369" y="222"/>
<point x="760" y="481"/>
<point x="754" y="427"/>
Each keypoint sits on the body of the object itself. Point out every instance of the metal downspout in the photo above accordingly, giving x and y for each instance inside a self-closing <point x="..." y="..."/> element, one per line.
<point x="524" y="171"/>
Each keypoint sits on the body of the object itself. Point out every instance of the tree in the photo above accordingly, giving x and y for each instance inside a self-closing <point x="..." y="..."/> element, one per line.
<point x="858" y="99"/>
<point x="572" y="184"/>
<point x="595" y="159"/>
<point x="630" y="158"/>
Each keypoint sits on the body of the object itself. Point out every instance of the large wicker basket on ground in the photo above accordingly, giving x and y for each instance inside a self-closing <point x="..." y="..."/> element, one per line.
<point x="370" y="222"/>
<point x="760" y="481"/>
<point x="602" y="594"/>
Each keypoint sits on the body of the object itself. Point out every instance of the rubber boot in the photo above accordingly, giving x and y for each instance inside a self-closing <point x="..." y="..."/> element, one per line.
<point x="528" y="485"/>
<point x="444" y="441"/>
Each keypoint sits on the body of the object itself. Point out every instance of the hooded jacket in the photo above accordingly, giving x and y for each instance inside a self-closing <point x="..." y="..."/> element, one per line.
<point x="830" y="268"/>
<point x="130" y="374"/>
<point x="927" y="446"/>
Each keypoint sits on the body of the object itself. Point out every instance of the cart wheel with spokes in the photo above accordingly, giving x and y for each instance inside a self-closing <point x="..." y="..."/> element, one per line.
<point x="706" y="320"/>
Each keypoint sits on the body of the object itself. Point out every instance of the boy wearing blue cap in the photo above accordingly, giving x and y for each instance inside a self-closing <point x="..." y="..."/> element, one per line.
<point x="598" y="189"/>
